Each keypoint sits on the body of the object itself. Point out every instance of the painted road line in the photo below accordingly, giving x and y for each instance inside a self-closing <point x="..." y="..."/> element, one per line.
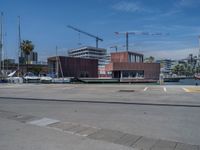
<point x="145" y="89"/>
<point x="43" y="122"/>
<point x="164" y="88"/>
<point x="194" y="89"/>
<point x="186" y="90"/>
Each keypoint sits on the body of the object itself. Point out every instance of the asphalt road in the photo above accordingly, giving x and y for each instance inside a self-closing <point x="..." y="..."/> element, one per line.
<point x="168" y="113"/>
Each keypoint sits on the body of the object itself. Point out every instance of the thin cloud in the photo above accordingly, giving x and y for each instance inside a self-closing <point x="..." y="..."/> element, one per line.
<point x="172" y="54"/>
<point x="128" y="7"/>
<point x="188" y="3"/>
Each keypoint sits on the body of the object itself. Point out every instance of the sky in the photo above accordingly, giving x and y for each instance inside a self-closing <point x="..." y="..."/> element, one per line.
<point x="44" y="22"/>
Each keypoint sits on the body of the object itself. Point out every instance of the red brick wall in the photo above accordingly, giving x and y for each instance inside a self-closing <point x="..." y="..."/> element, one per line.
<point x="74" y="67"/>
<point x="119" y="57"/>
<point x="151" y="70"/>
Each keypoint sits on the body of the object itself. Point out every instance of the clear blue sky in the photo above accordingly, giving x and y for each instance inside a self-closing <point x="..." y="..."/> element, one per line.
<point x="44" y="23"/>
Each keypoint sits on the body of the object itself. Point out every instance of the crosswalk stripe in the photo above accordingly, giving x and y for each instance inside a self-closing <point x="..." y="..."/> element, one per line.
<point x="145" y="88"/>
<point x="164" y="88"/>
<point x="186" y="90"/>
<point x="43" y="122"/>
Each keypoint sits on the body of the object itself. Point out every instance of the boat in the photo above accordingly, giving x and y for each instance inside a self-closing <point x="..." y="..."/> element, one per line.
<point x="197" y="76"/>
<point x="12" y="78"/>
<point x="29" y="77"/>
<point x="45" y="78"/>
<point x="61" y="80"/>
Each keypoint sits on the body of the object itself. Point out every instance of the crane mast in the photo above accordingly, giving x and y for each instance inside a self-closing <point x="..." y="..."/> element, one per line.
<point x="136" y="33"/>
<point x="88" y="34"/>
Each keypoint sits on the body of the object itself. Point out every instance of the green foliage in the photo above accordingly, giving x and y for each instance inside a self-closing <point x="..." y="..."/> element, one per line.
<point x="150" y="59"/>
<point x="197" y="69"/>
<point x="36" y="70"/>
<point x="27" y="46"/>
<point x="185" y="69"/>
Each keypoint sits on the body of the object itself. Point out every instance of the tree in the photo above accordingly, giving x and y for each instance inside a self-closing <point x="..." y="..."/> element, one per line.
<point x="150" y="59"/>
<point x="181" y="70"/>
<point x="197" y="70"/>
<point x="27" y="47"/>
<point x="176" y="69"/>
<point x="36" y="70"/>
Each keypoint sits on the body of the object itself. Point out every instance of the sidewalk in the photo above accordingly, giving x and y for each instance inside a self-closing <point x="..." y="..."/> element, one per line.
<point x="99" y="134"/>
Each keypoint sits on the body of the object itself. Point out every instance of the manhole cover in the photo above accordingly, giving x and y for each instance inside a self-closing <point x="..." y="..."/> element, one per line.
<point x="126" y="90"/>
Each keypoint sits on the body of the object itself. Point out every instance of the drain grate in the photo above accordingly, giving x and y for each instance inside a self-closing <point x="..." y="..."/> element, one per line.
<point x="126" y="90"/>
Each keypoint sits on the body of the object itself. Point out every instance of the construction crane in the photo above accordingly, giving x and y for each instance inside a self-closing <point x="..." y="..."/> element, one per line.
<point x="115" y="47"/>
<point x="137" y="33"/>
<point x="88" y="34"/>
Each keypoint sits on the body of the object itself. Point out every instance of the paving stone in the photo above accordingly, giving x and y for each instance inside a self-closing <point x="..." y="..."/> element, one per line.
<point x="164" y="145"/>
<point x="127" y="139"/>
<point x="106" y="135"/>
<point x="63" y="125"/>
<point x="88" y="131"/>
<point x="77" y="128"/>
<point x="145" y="143"/>
<point x="26" y="118"/>
<point x="181" y="146"/>
<point x="43" y="122"/>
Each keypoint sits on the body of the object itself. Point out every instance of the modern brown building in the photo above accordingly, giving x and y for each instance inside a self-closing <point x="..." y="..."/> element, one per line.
<point x="130" y="65"/>
<point x="73" y="67"/>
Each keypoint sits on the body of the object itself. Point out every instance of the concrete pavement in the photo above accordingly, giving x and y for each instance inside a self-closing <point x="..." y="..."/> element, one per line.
<point x="147" y="124"/>
<point x="98" y="134"/>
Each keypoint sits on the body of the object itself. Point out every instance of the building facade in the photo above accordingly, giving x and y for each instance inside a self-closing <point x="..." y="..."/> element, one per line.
<point x="130" y="57"/>
<point x="130" y="65"/>
<point x="64" y="66"/>
<point x="89" y="52"/>
<point x="32" y="58"/>
<point x="166" y="65"/>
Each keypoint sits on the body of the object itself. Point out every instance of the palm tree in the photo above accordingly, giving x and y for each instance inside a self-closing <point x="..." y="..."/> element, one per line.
<point x="27" y="47"/>
<point x="150" y="59"/>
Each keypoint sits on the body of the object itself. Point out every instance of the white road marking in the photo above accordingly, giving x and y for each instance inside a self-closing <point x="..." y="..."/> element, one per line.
<point x="43" y="122"/>
<point x="186" y="90"/>
<point x="164" y="88"/>
<point x="145" y="88"/>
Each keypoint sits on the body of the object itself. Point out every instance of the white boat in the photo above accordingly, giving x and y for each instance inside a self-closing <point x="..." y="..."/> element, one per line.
<point x="45" y="79"/>
<point x="61" y="80"/>
<point x="197" y="76"/>
<point x="31" y="78"/>
<point x="12" y="78"/>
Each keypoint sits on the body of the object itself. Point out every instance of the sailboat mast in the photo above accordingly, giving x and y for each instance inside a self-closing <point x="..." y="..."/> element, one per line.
<point x="19" y="43"/>
<point x="199" y="46"/>
<point x="1" y="42"/>
<point x="57" y="75"/>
